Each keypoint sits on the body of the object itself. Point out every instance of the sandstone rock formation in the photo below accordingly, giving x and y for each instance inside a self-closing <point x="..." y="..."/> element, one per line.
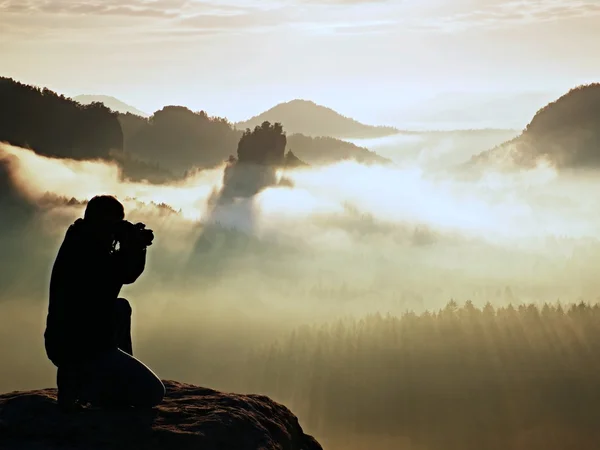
<point x="191" y="417"/>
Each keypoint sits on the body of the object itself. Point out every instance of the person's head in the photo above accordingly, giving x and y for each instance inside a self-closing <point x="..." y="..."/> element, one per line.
<point x="104" y="210"/>
<point x="102" y="213"/>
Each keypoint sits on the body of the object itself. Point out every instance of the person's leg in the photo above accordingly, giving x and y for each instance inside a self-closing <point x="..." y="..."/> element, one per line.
<point x="123" y="325"/>
<point x="117" y="379"/>
<point x="67" y="382"/>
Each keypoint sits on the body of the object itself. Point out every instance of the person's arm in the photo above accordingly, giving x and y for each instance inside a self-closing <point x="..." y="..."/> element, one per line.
<point x="130" y="263"/>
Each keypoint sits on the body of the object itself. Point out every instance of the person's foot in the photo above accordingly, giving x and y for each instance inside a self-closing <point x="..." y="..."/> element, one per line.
<point x="67" y="397"/>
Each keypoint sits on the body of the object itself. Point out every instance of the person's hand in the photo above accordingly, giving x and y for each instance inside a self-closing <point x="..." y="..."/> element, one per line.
<point x="144" y="235"/>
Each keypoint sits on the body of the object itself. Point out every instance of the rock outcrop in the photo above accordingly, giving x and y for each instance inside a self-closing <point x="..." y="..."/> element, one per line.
<point x="191" y="417"/>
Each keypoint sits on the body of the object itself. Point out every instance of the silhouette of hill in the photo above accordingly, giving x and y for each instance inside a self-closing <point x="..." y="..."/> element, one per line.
<point x="307" y="118"/>
<point x="327" y="150"/>
<point x="292" y="160"/>
<point x="180" y="139"/>
<point x="56" y="126"/>
<point x="162" y="147"/>
<point x="191" y="417"/>
<point x="110" y="102"/>
<point x="564" y="133"/>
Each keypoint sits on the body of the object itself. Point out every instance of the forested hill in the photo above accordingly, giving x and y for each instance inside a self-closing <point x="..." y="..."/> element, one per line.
<point x="307" y="118"/>
<point x="178" y="138"/>
<point x="565" y="133"/>
<point x="54" y="125"/>
<point x="159" y="148"/>
<point x="110" y="102"/>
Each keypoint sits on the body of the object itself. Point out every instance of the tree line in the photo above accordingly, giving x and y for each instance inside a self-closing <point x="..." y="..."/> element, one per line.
<point x="161" y="148"/>
<point x="54" y="125"/>
<point x="459" y="378"/>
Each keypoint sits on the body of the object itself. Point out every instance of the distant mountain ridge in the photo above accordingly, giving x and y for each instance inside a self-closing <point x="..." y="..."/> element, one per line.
<point x="310" y="119"/>
<point x="197" y="140"/>
<point x="110" y="102"/>
<point x="163" y="147"/>
<point x="564" y="133"/>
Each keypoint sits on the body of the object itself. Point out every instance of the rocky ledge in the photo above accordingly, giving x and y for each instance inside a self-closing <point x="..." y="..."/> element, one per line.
<point x="190" y="417"/>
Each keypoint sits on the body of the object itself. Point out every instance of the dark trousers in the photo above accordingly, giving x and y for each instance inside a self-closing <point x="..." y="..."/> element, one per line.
<point x="114" y="378"/>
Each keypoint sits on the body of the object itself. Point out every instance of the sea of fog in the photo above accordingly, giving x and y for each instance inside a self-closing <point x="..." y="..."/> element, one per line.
<point x="436" y="149"/>
<point x="342" y="240"/>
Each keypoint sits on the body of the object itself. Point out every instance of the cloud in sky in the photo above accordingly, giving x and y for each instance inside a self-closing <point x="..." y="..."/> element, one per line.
<point x="345" y="2"/>
<point x="493" y="14"/>
<point x="180" y="16"/>
<point x="159" y="13"/>
<point x="138" y="8"/>
<point x="188" y="18"/>
<point x="181" y="19"/>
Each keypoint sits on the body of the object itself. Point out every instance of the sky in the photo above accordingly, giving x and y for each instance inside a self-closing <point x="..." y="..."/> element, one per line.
<point x="368" y="59"/>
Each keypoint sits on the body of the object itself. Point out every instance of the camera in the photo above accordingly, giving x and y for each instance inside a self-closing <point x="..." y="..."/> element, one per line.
<point x="127" y="234"/>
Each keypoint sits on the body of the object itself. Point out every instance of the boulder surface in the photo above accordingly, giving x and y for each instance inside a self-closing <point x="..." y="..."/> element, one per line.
<point x="190" y="417"/>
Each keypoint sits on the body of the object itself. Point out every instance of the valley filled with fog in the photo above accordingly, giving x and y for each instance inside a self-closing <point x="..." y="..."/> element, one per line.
<point x="374" y="225"/>
<point x="361" y="294"/>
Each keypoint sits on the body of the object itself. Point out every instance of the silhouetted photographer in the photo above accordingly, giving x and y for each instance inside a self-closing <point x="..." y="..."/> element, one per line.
<point x="88" y="328"/>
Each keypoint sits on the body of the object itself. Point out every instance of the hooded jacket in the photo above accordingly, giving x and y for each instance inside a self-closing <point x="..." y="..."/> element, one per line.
<point x="84" y="286"/>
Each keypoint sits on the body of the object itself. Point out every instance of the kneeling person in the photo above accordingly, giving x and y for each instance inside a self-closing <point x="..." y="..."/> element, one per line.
<point x="88" y="327"/>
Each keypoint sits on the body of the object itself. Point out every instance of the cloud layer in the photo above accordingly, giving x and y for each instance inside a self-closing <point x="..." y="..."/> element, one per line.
<point x="497" y="13"/>
<point x="183" y="18"/>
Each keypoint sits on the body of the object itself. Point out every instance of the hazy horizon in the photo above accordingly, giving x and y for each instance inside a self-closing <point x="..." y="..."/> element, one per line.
<point x="431" y="112"/>
<point x="241" y="57"/>
<point x="504" y="111"/>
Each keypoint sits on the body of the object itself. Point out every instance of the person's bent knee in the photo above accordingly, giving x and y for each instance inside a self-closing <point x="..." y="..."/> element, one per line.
<point x="153" y="396"/>
<point x="149" y="392"/>
<point x="124" y="307"/>
<point x="158" y="393"/>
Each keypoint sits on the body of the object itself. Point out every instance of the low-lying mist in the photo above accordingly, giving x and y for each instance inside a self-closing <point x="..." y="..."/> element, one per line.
<point x="343" y="240"/>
